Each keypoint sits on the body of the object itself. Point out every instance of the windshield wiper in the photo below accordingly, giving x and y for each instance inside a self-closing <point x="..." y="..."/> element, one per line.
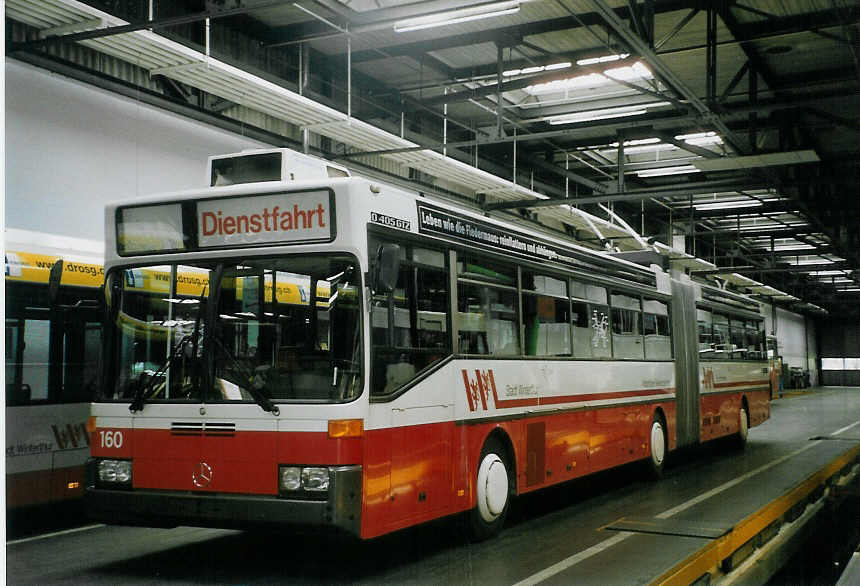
<point x="144" y="389"/>
<point x="251" y="379"/>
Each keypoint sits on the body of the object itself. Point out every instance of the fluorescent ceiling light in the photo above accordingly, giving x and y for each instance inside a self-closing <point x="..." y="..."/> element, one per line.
<point x="700" y="138"/>
<point x="676" y="170"/>
<point x="773" y="225"/>
<point x="812" y="261"/>
<point x="456" y="16"/>
<point x="594" y="115"/>
<point x="753" y="161"/>
<point x="641" y="145"/>
<point x="649" y="148"/>
<point x="637" y="142"/>
<point x="537" y="69"/>
<point x="605" y="113"/>
<point x="852" y="289"/>
<point x="631" y="73"/>
<point x="795" y="247"/>
<point x="603" y="59"/>
<point x="723" y="205"/>
<point x="591" y="80"/>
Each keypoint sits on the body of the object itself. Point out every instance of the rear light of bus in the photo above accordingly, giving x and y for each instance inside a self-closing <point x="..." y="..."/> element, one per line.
<point x="116" y="472"/>
<point x="297" y="479"/>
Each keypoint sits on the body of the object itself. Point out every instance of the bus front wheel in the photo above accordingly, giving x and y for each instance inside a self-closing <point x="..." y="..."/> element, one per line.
<point x="492" y="491"/>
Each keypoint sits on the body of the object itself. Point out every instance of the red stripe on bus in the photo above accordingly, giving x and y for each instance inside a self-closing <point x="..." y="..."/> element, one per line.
<point x="532" y="402"/>
<point x="742" y="383"/>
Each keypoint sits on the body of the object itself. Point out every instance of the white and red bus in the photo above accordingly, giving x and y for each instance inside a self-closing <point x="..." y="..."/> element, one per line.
<point x="52" y="348"/>
<point x="319" y="349"/>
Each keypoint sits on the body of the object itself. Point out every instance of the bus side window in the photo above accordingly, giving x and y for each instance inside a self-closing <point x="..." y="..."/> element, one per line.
<point x="658" y="342"/>
<point x="737" y="331"/>
<point x="627" y="326"/>
<point x="590" y="320"/>
<point x="487" y="308"/>
<point x="722" y="345"/>
<point x="704" y="321"/>
<point x="409" y="325"/>
<point x="81" y="361"/>
<point x="27" y="360"/>
<point x="545" y="315"/>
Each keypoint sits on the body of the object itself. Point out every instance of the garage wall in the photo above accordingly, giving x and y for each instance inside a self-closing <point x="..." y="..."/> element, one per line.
<point x="70" y="148"/>
<point x="840" y="343"/>
<point x="796" y="339"/>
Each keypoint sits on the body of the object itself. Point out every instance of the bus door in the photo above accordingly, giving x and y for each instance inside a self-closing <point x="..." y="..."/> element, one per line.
<point x="420" y="459"/>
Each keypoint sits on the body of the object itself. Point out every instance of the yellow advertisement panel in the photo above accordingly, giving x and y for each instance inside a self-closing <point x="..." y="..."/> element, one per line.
<point x="35" y="268"/>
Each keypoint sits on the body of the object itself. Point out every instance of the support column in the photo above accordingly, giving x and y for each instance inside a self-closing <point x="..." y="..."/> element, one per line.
<point x="711" y="55"/>
<point x="499" y="70"/>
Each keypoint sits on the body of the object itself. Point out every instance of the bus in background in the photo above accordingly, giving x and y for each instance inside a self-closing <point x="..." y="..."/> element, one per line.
<point x="427" y="361"/>
<point x="53" y="345"/>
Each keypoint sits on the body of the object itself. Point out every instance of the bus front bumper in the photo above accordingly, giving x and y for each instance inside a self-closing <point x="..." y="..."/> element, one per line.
<point x="155" y="508"/>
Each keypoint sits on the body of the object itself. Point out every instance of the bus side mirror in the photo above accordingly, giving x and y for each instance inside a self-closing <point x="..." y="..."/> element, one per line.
<point x="387" y="268"/>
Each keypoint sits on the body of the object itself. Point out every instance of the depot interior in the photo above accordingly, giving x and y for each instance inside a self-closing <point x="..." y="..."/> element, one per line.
<point x="722" y="135"/>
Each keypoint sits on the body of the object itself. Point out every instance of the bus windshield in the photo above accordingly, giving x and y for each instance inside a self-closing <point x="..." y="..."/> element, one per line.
<point x="259" y="329"/>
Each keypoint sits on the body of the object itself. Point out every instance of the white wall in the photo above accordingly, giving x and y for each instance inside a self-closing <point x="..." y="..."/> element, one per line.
<point x="70" y="148"/>
<point x="796" y="341"/>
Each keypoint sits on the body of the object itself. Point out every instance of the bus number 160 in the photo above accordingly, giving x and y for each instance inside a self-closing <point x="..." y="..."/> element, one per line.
<point x="111" y="439"/>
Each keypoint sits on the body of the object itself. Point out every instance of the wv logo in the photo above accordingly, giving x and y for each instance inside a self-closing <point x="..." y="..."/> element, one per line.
<point x="479" y="389"/>
<point x="71" y="436"/>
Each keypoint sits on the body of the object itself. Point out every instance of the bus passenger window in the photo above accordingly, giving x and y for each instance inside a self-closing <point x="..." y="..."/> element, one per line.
<point x="626" y="326"/>
<point x="487" y="320"/>
<point x="754" y="340"/>
<point x="487" y="307"/>
<point x="409" y="326"/>
<point x="722" y="346"/>
<point x="34" y="358"/>
<point x="658" y="342"/>
<point x="545" y="317"/>
<point x="590" y="320"/>
<point x="737" y="332"/>
<point x="704" y="322"/>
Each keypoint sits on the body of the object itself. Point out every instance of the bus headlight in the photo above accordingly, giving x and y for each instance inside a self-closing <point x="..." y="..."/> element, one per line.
<point x="114" y="471"/>
<point x="303" y="479"/>
<point x="315" y="479"/>
<point x="291" y="478"/>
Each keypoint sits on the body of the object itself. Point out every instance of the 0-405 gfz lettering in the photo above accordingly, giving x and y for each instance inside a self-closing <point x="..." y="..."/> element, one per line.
<point x="110" y="439"/>
<point x="389" y="221"/>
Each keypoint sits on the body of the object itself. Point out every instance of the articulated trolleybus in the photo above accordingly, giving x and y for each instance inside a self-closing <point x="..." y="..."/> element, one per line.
<point x="293" y="345"/>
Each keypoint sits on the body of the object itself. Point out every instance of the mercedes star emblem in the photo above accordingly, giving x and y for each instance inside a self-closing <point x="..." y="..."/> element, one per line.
<point x="203" y="476"/>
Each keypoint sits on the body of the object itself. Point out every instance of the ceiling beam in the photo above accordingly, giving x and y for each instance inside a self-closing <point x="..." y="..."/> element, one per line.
<point x="772" y="232"/>
<point x="508" y="35"/>
<point x="630" y="195"/>
<point x="665" y="73"/>
<point x="132" y="27"/>
<point x="751" y="270"/>
<point x="782" y="206"/>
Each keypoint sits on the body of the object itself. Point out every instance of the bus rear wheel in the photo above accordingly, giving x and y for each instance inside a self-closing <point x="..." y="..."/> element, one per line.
<point x="743" y="427"/>
<point x="492" y="491"/>
<point x="658" y="445"/>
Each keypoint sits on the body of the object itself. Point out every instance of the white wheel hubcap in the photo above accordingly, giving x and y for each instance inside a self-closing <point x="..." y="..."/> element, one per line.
<point x="492" y="487"/>
<point x="658" y="443"/>
<point x="745" y="424"/>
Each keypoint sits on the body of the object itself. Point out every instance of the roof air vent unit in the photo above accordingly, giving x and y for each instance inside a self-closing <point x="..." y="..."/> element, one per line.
<point x="270" y="165"/>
